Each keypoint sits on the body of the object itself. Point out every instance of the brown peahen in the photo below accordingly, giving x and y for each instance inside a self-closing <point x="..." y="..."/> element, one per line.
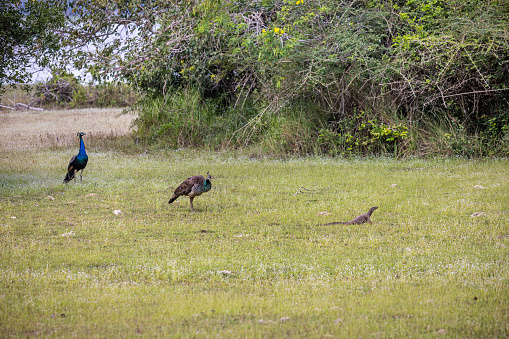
<point x="78" y="162"/>
<point x="192" y="187"/>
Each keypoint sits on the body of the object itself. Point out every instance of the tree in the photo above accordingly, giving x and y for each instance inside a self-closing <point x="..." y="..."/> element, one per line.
<point x="27" y="34"/>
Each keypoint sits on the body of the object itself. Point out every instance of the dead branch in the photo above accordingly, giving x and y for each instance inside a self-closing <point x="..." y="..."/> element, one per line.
<point x="17" y="106"/>
<point x="29" y="107"/>
<point x="303" y="189"/>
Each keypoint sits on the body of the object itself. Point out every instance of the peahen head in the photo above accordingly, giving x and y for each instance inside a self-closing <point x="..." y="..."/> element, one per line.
<point x="208" y="176"/>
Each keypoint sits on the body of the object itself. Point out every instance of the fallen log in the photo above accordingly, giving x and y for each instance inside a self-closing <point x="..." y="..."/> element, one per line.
<point x="29" y="107"/>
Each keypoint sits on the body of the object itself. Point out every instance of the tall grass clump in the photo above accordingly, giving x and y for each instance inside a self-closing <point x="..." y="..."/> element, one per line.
<point x="184" y="118"/>
<point x="292" y="130"/>
<point x="448" y="136"/>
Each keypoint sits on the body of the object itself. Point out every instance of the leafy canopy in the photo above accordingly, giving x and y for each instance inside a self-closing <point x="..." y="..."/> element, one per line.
<point x="28" y="33"/>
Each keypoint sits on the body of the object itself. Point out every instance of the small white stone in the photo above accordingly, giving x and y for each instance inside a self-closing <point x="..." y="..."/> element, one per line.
<point x="68" y="234"/>
<point x="117" y="212"/>
<point x="477" y="214"/>
<point x="479" y="187"/>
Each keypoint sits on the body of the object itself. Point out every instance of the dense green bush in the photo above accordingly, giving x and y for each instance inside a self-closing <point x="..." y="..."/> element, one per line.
<point x="408" y="66"/>
<point x="366" y="138"/>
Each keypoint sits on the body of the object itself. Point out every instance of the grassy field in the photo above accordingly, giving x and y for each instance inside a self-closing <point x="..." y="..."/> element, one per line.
<point x="252" y="261"/>
<point x="23" y="130"/>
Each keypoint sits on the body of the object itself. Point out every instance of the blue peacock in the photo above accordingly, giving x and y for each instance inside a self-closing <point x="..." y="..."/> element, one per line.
<point x="78" y="162"/>
<point x="192" y="187"/>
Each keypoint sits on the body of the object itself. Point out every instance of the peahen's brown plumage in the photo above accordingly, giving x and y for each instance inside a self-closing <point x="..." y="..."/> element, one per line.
<point x="192" y="187"/>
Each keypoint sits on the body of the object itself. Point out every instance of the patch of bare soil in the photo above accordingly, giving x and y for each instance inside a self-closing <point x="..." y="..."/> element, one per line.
<point x="23" y="130"/>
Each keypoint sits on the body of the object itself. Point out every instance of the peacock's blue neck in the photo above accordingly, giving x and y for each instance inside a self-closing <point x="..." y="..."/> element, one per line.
<point x="82" y="153"/>
<point x="207" y="186"/>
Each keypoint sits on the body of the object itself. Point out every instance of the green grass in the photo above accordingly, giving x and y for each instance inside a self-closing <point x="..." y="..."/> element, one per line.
<point x="252" y="262"/>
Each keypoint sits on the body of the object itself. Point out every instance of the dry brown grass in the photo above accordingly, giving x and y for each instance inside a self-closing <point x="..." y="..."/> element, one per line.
<point x="21" y="130"/>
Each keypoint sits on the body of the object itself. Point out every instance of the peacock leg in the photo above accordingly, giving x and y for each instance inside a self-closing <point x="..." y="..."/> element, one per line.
<point x="75" y="175"/>
<point x="81" y="176"/>
<point x="191" y="201"/>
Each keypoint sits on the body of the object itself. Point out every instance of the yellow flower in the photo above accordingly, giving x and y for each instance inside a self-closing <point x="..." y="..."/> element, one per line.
<point x="276" y="29"/>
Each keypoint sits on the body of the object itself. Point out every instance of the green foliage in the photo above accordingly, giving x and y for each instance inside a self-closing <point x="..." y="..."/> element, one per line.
<point x="291" y="132"/>
<point x="27" y="32"/>
<point x="63" y="90"/>
<point x="495" y="134"/>
<point x="405" y="62"/>
<point x="448" y="136"/>
<point x="59" y="89"/>
<point x="108" y="94"/>
<point x="184" y="119"/>
<point x="362" y="135"/>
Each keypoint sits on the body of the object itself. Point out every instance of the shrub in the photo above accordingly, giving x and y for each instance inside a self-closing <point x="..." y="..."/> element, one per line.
<point x="65" y="91"/>
<point x="402" y="65"/>
<point x="356" y="137"/>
